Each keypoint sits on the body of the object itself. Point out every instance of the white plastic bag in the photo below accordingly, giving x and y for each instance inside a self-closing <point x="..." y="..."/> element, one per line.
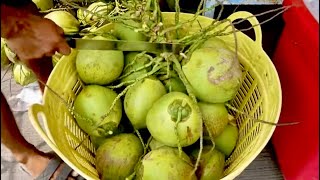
<point x="29" y="95"/>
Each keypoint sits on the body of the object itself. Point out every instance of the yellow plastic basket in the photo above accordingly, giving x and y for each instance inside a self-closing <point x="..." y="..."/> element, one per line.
<point x="259" y="96"/>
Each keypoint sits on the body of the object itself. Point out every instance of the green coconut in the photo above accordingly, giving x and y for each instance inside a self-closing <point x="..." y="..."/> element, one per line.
<point x="132" y="62"/>
<point x="117" y="156"/>
<point x="211" y="165"/>
<point x="164" y="114"/>
<point x="227" y="140"/>
<point x="140" y="98"/>
<point x="214" y="73"/>
<point x="65" y="20"/>
<point x="91" y="107"/>
<point x="126" y="31"/>
<point x="99" y="66"/>
<point x="164" y="163"/>
<point x="154" y="144"/>
<point x="174" y="84"/>
<point x="215" y="117"/>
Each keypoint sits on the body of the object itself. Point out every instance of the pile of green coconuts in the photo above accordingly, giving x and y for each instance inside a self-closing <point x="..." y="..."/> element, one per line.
<point x="151" y="115"/>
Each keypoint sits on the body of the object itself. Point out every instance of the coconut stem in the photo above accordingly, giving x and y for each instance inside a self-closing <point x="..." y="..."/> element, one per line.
<point x="155" y="69"/>
<point x="200" y="6"/>
<point x="220" y="13"/>
<point x="177" y="68"/>
<point x="208" y="130"/>
<point x="114" y="103"/>
<point x="177" y="14"/>
<point x="205" y="33"/>
<point x="135" y="59"/>
<point x="168" y="69"/>
<point x="148" y="5"/>
<point x="202" y="35"/>
<point x="148" y="142"/>
<point x="190" y="21"/>
<point x="176" y="130"/>
<point x="159" y="15"/>
<point x="140" y="137"/>
<point x="259" y="120"/>
<point x="154" y="60"/>
<point x="223" y="33"/>
<point x="121" y="84"/>
<point x="193" y="97"/>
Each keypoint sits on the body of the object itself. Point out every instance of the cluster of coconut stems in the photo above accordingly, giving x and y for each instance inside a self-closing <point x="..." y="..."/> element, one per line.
<point x="147" y="12"/>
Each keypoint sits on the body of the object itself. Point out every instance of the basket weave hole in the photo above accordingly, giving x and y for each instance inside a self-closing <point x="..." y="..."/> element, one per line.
<point x="248" y="101"/>
<point x="82" y="154"/>
<point x="78" y="138"/>
<point x="77" y="87"/>
<point x="248" y="97"/>
<point x="80" y="148"/>
<point x="253" y="108"/>
<point x="76" y="131"/>
<point x="87" y="164"/>
<point x="242" y="149"/>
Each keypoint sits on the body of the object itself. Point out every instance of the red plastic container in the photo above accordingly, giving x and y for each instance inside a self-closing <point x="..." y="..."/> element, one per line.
<point x="297" y="61"/>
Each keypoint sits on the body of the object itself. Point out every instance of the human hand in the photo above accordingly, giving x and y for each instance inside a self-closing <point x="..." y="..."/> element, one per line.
<point x="33" y="37"/>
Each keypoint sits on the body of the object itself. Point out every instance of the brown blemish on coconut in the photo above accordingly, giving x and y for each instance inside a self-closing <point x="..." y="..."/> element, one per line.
<point x="200" y="169"/>
<point x="229" y="73"/>
<point x="189" y="133"/>
<point x="210" y="69"/>
<point x="223" y="61"/>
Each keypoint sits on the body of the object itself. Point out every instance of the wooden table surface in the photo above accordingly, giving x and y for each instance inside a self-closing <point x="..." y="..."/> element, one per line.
<point x="264" y="167"/>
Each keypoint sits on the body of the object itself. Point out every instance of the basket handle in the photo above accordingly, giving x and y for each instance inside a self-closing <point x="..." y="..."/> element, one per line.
<point x="33" y="112"/>
<point x="253" y="21"/>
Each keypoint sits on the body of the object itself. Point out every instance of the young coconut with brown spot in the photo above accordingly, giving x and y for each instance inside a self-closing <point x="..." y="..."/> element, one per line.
<point x="214" y="72"/>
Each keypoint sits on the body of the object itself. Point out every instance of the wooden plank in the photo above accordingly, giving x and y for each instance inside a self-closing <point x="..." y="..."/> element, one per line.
<point x="264" y="167"/>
